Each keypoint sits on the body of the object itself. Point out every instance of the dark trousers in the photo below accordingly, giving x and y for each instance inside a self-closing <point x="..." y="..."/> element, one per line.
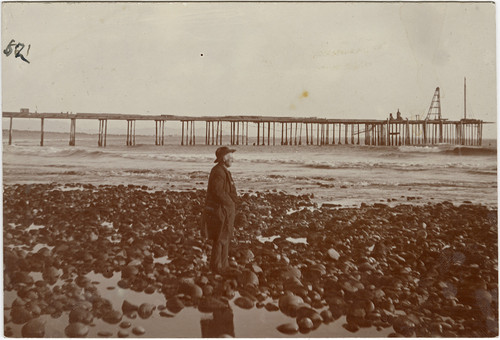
<point x="219" y="259"/>
<point x="219" y="230"/>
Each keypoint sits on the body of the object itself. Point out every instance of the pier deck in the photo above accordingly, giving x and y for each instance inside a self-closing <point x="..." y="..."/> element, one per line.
<point x="293" y="130"/>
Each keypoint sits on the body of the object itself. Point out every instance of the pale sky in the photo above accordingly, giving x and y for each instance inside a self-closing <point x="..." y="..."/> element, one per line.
<point x="329" y="60"/>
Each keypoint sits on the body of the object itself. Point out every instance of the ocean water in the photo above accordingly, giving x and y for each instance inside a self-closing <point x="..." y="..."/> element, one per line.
<point x="347" y="175"/>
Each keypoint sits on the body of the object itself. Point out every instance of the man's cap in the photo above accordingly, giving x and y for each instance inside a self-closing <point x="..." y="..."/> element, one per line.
<point x="221" y="152"/>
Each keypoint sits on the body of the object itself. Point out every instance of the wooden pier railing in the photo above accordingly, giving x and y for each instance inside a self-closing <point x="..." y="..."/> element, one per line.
<point x="294" y="130"/>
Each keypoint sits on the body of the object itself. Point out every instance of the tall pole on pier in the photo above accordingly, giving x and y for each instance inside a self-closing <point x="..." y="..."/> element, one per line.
<point x="465" y="98"/>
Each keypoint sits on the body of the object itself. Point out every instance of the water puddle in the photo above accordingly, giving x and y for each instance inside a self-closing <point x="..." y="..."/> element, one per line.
<point x="295" y="240"/>
<point x="189" y="322"/>
<point x="264" y="239"/>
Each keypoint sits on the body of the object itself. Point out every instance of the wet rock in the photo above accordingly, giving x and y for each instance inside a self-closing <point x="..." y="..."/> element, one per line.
<point x="51" y="274"/>
<point x="351" y="327"/>
<point x="123" y="333"/>
<point x="404" y="326"/>
<point x="271" y="307"/>
<point x="138" y="330"/>
<point x="112" y="316"/>
<point x="289" y="304"/>
<point x="208" y="290"/>
<point x="287" y="273"/>
<point x="145" y="310"/>
<point x="18" y="303"/>
<point x="174" y="305"/>
<point x="288" y="328"/>
<point x="125" y="324"/>
<point x="124" y="284"/>
<point x="309" y="313"/>
<point x="191" y="289"/>
<point x="20" y="315"/>
<point x="333" y="254"/>
<point x="244" y="256"/>
<point x="305" y="324"/>
<point x="248" y="277"/>
<point x="80" y="315"/>
<point x="105" y="334"/>
<point x="130" y="271"/>
<point x="211" y="304"/>
<point x="33" y="329"/>
<point x="128" y="307"/>
<point x="76" y="330"/>
<point x="8" y="332"/>
<point x="149" y="290"/>
<point x="256" y="268"/>
<point x="22" y="277"/>
<point x="83" y="281"/>
<point x="165" y="314"/>
<point x="327" y="316"/>
<point x="244" y="302"/>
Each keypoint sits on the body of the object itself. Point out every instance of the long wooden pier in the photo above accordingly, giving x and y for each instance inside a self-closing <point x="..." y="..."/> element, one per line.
<point x="291" y="130"/>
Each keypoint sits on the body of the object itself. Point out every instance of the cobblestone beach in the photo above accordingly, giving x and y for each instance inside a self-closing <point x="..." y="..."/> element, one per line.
<point x="404" y="270"/>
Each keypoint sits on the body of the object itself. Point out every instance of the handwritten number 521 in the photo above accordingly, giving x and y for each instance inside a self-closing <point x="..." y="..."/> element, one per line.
<point x="17" y="50"/>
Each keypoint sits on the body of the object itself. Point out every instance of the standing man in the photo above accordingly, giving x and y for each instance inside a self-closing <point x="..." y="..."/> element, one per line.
<point x="220" y="208"/>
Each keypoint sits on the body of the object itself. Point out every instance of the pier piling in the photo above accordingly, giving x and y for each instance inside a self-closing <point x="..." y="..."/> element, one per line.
<point x="72" y="132"/>
<point x="130" y="132"/>
<point x="41" y="132"/>
<point x="10" y="131"/>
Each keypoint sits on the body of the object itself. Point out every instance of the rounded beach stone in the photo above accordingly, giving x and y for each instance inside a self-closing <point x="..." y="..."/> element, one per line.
<point x="175" y="305"/>
<point x="305" y="324"/>
<point x="248" y="277"/>
<point x="351" y="327"/>
<point x="191" y="289"/>
<point x="20" y="315"/>
<point x="244" y="302"/>
<point x="333" y="254"/>
<point x="128" y="307"/>
<point x="149" y="290"/>
<point x="76" y="330"/>
<point x="404" y="326"/>
<point x="124" y="284"/>
<point x="129" y="271"/>
<point x="210" y="304"/>
<point x="105" y="334"/>
<point x="138" y="330"/>
<point x="271" y="307"/>
<point x="289" y="304"/>
<point x="288" y="328"/>
<point x="125" y="324"/>
<point x="113" y="317"/>
<point x="33" y="329"/>
<point x="145" y="310"/>
<point x="327" y="316"/>
<point x="208" y="290"/>
<point x="80" y="315"/>
<point x="123" y="333"/>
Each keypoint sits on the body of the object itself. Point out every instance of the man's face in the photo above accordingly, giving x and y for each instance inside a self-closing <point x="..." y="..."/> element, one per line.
<point x="228" y="159"/>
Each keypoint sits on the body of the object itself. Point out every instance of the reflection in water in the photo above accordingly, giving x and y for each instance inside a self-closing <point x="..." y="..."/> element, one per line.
<point x="221" y="324"/>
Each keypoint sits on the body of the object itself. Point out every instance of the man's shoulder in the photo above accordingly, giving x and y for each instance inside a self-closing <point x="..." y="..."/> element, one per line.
<point x="218" y="168"/>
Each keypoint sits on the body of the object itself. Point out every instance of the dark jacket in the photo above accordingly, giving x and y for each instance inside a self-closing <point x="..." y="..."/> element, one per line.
<point x="220" y="205"/>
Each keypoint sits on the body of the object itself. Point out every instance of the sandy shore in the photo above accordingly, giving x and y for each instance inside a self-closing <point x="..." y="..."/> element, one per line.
<point x="427" y="270"/>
